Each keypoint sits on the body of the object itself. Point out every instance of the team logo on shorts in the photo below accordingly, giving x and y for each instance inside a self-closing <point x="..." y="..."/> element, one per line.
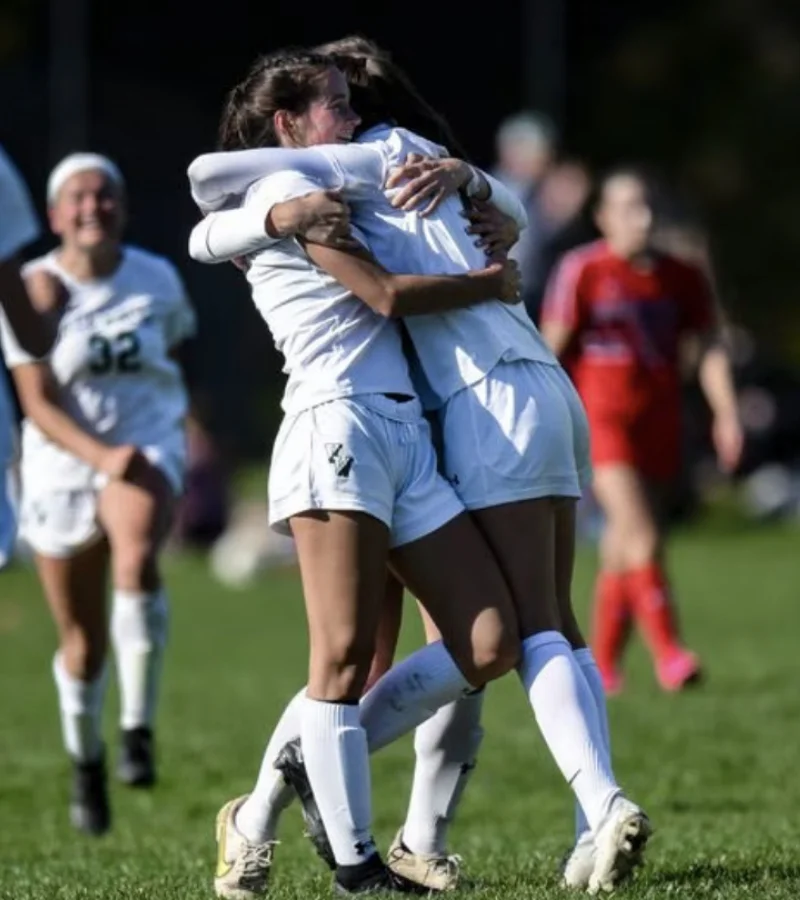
<point x="338" y="457"/>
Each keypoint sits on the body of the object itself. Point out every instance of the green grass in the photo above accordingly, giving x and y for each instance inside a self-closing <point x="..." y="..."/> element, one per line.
<point x="717" y="769"/>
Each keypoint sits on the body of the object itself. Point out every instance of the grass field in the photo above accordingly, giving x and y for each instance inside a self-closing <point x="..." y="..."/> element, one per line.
<point x="717" y="769"/>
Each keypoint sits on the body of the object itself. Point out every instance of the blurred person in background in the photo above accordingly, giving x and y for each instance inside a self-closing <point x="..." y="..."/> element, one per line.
<point x="203" y="512"/>
<point x="525" y="145"/>
<point x="18" y="228"/>
<point x="103" y="454"/>
<point x="617" y="312"/>
<point x="554" y="194"/>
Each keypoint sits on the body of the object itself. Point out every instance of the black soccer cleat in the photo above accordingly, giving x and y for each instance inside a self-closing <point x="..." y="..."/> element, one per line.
<point x="136" y="766"/>
<point x="291" y="765"/>
<point x="89" y="809"/>
<point x="373" y="877"/>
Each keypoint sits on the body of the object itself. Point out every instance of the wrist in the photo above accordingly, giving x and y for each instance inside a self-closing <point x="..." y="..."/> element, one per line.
<point x="476" y="185"/>
<point x="281" y="220"/>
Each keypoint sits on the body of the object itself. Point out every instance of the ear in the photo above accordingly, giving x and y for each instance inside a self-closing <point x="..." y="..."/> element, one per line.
<point x="283" y="121"/>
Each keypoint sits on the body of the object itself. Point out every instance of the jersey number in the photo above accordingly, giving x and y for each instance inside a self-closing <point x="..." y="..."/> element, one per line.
<point x="120" y="354"/>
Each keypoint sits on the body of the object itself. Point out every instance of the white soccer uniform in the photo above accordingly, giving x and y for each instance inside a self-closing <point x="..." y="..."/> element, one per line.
<point x="514" y="427"/>
<point x="112" y="360"/>
<point x="347" y="442"/>
<point x="18" y="228"/>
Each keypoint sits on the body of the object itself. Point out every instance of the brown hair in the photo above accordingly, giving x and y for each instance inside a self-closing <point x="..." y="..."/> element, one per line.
<point x="382" y="92"/>
<point x="286" y="80"/>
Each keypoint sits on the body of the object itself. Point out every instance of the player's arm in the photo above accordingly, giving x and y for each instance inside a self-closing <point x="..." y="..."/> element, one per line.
<point x="394" y="296"/>
<point x="32" y="330"/>
<point x="321" y="216"/>
<point x="39" y="397"/>
<point x="701" y="318"/>
<point x="221" y="179"/>
<point x="561" y="310"/>
<point x="427" y="181"/>
<point x="18" y="227"/>
<point x="715" y="374"/>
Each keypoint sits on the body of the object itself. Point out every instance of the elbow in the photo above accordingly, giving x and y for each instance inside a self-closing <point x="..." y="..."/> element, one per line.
<point x="198" y="246"/>
<point x="201" y="180"/>
<point x="388" y="303"/>
<point x="384" y="298"/>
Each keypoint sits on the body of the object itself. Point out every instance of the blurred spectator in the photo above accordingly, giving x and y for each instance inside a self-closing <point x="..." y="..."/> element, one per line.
<point x="204" y="510"/>
<point x="554" y="195"/>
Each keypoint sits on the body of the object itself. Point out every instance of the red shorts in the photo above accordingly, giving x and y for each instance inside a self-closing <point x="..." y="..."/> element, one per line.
<point x="649" y="441"/>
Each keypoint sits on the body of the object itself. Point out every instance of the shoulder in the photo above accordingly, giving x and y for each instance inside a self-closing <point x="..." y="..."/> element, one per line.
<point x="401" y="142"/>
<point x="585" y="259"/>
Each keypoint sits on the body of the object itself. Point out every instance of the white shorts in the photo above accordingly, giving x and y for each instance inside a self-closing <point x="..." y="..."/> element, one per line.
<point x="366" y="454"/>
<point x="519" y="434"/>
<point x="60" y="522"/>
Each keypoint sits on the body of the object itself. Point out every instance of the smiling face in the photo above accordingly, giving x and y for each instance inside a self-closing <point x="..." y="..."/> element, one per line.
<point x="328" y="118"/>
<point x="88" y="212"/>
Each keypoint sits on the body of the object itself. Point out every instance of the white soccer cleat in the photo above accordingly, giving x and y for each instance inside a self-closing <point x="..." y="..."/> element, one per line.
<point x="619" y="845"/>
<point x="428" y="870"/>
<point x="242" y="868"/>
<point x="579" y="864"/>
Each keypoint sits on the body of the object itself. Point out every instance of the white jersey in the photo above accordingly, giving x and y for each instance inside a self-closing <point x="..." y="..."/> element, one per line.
<point x="456" y="348"/>
<point x="112" y="360"/>
<point x="334" y="345"/>
<point x="18" y="223"/>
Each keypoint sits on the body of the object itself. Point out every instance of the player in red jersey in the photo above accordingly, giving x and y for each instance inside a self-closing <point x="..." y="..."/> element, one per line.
<point x="617" y="312"/>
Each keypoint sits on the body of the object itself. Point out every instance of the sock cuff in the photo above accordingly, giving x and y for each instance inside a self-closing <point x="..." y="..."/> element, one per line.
<point x="129" y="598"/>
<point x="78" y="696"/>
<point x="544" y="639"/>
<point x="324" y="714"/>
<point x="651" y="571"/>
<point x="584" y="657"/>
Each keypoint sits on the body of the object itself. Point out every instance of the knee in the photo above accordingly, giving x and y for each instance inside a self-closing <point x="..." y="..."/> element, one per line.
<point x="82" y="653"/>
<point x="641" y="547"/>
<point x="340" y="667"/>
<point x="495" y="651"/>
<point x="135" y="565"/>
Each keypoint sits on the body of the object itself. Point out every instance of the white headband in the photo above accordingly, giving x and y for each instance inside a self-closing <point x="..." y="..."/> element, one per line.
<point x="81" y="162"/>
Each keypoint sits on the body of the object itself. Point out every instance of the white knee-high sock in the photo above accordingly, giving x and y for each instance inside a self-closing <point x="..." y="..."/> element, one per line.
<point x="81" y="705"/>
<point x="337" y="762"/>
<point x="257" y="818"/>
<point x="411" y="692"/>
<point x="446" y="748"/>
<point x="565" y="712"/>
<point x="591" y="673"/>
<point x="139" y="634"/>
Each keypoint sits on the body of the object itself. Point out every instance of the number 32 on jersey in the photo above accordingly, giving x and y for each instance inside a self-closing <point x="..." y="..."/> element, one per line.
<point x="118" y="354"/>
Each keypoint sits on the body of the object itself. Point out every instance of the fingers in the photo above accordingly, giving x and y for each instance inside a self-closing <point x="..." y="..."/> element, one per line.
<point x="417" y="190"/>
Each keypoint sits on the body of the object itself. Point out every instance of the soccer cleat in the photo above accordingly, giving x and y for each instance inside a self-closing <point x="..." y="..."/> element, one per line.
<point x="579" y="863"/>
<point x="679" y="670"/>
<point x="136" y="766"/>
<point x="428" y="870"/>
<point x="373" y="877"/>
<point x="242" y="868"/>
<point x="290" y="763"/>
<point x="619" y="845"/>
<point x="89" y="809"/>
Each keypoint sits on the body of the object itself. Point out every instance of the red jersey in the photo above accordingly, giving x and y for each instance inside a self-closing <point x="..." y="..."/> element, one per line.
<point x="628" y="323"/>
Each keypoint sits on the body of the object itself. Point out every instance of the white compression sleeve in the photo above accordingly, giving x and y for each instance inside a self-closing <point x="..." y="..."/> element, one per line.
<point x="222" y="236"/>
<point x="506" y="201"/>
<point x="220" y="179"/>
